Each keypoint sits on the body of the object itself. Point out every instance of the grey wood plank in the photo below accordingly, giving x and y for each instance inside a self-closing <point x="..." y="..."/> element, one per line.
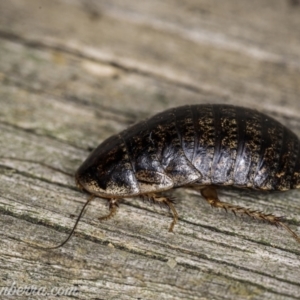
<point x="74" y="72"/>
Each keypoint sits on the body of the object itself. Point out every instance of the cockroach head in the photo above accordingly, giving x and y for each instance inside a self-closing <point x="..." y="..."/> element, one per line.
<point x="107" y="171"/>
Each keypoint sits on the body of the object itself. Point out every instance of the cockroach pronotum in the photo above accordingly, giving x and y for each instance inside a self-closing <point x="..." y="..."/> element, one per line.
<point x="194" y="146"/>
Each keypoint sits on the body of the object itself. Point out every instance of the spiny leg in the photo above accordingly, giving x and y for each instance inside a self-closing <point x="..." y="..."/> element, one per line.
<point x="209" y="193"/>
<point x="169" y="203"/>
<point x="113" y="205"/>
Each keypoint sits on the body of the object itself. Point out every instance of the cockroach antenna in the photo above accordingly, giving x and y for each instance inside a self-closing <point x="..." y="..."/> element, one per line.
<point x="80" y="214"/>
<point x="70" y="234"/>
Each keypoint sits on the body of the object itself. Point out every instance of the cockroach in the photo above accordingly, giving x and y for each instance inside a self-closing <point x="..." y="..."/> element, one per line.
<point x="194" y="146"/>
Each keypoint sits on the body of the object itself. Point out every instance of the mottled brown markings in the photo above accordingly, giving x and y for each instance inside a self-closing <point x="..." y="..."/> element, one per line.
<point x="185" y="132"/>
<point x="279" y="139"/>
<point x="160" y="140"/>
<point x="239" y="165"/>
<point x="217" y="142"/>
<point x="170" y="151"/>
<point x="151" y="149"/>
<point x="184" y="128"/>
<point x="289" y="163"/>
<point x="270" y="154"/>
<point x="281" y="168"/>
<point x="233" y="144"/>
<point x="254" y="134"/>
<point x="296" y="165"/>
<point x="196" y="136"/>
<point x="228" y="145"/>
<point x="204" y="150"/>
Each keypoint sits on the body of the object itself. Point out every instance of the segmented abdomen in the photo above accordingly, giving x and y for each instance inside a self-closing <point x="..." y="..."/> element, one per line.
<point x="215" y="144"/>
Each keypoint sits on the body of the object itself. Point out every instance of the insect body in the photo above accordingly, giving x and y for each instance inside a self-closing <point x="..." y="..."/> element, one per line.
<point x="199" y="147"/>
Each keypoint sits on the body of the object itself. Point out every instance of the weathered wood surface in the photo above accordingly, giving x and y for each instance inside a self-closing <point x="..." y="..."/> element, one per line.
<point x="74" y="72"/>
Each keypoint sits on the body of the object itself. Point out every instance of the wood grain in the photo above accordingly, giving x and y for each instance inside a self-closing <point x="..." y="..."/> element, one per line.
<point x="74" y="72"/>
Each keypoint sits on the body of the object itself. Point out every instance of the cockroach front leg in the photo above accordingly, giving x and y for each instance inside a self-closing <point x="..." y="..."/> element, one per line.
<point x="113" y="205"/>
<point x="167" y="202"/>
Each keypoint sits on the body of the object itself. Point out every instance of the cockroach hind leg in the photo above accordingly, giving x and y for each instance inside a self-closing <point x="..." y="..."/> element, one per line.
<point x="113" y="206"/>
<point x="169" y="202"/>
<point x="209" y="193"/>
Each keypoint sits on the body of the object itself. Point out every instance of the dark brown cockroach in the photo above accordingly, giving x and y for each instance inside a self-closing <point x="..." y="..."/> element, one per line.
<point x="194" y="146"/>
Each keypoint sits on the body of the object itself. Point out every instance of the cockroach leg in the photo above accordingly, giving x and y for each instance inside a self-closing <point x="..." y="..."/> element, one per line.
<point x="169" y="203"/>
<point x="209" y="193"/>
<point x="113" y="205"/>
